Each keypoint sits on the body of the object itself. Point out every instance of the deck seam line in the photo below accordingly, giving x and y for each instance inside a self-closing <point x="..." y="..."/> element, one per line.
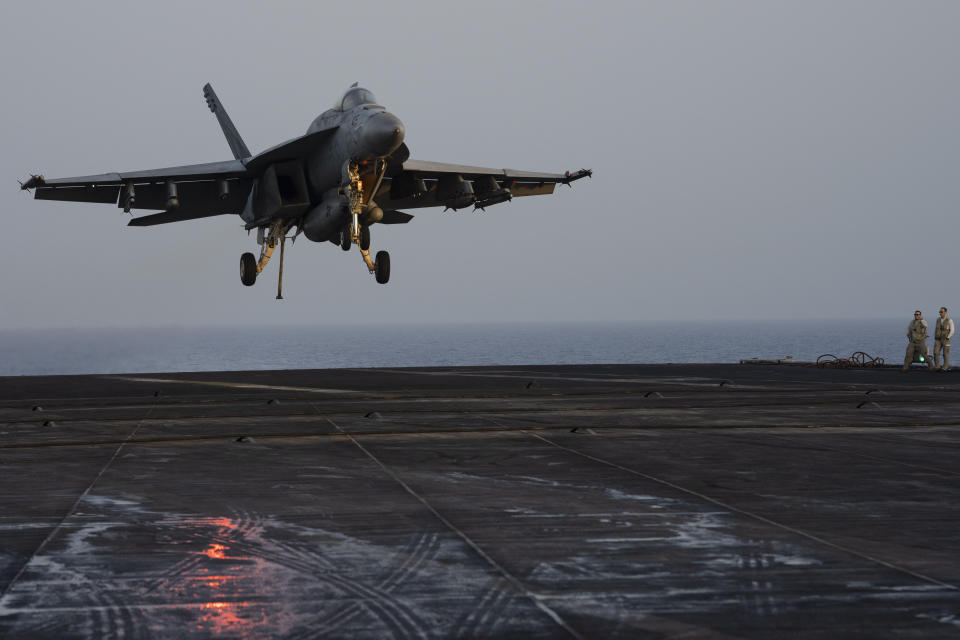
<point x="502" y="429"/>
<point x="482" y="409"/>
<point x="848" y="451"/>
<point x="9" y="588"/>
<point x="233" y="385"/>
<point x="553" y="615"/>
<point x="752" y="515"/>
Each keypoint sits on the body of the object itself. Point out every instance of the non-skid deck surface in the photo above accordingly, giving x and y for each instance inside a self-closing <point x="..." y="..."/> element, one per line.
<point x="691" y="501"/>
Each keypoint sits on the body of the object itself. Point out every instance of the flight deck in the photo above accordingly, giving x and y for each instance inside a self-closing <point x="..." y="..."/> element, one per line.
<point x="594" y="501"/>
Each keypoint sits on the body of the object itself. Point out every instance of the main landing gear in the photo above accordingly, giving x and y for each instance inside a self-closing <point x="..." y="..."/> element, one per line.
<point x="363" y="239"/>
<point x="250" y="267"/>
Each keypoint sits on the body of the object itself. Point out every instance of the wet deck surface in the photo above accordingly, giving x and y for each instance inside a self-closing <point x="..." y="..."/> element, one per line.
<point x="457" y="503"/>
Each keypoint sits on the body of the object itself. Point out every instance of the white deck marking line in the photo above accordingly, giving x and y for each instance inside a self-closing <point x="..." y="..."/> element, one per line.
<point x="522" y="376"/>
<point x="754" y="516"/>
<point x="688" y="381"/>
<point x="63" y="521"/>
<point x="519" y="586"/>
<point x="849" y="451"/>
<point x="239" y="385"/>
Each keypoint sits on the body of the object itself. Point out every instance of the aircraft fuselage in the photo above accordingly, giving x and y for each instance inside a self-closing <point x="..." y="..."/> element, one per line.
<point x="326" y="183"/>
<point x="364" y="134"/>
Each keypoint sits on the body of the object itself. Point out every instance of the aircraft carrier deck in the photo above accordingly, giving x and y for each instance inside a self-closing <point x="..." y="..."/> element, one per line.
<point x="646" y="501"/>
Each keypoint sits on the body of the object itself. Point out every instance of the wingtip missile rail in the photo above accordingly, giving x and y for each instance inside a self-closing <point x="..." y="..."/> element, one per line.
<point x="576" y="175"/>
<point x="34" y="182"/>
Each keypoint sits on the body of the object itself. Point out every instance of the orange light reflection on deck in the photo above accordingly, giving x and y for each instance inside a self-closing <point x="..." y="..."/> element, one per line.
<point x="215" y="582"/>
<point x="223" y="523"/>
<point x="222" y="618"/>
<point x="216" y="551"/>
<point x="219" y="583"/>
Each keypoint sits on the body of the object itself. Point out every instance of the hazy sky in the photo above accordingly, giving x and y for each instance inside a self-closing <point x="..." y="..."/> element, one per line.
<point x="752" y="159"/>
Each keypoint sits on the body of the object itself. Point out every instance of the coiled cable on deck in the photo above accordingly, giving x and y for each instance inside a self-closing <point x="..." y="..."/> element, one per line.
<point x="858" y="360"/>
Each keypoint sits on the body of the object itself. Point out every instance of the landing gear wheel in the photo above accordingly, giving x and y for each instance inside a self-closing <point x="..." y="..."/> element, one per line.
<point x="382" y="267"/>
<point x="248" y="269"/>
<point x="345" y="240"/>
<point x="365" y="238"/>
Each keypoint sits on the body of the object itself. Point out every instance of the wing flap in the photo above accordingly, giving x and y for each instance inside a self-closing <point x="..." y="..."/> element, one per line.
<point x="518" y="190"/>
<point x="428" y="169"/>
<point x="99" y="193"/>
<point x="205" y="171"/>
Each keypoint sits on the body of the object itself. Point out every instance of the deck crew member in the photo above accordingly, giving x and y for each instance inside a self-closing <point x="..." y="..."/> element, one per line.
<point x="917" y="336"/>
<point x="941" y="340"/>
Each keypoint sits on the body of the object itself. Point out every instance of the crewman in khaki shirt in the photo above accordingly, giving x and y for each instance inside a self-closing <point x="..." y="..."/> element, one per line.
<point x="941" y="340"/>
<point x="917" y="335"/>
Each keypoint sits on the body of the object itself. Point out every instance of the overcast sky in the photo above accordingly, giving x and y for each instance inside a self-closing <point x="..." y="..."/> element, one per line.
<point x="762" y="160"/>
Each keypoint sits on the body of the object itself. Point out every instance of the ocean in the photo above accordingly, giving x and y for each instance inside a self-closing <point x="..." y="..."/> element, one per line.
<point x="164" y="349"/>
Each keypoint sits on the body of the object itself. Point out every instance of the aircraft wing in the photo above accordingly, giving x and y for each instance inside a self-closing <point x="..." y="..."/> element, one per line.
<point x="392" y="196"/>
<point x="200" y="190"/>
<point x="289" y="150"/>
<point x="210" y="189"/>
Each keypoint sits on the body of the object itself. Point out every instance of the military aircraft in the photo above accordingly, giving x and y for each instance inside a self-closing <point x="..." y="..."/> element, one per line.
<point x="351" y="170"/>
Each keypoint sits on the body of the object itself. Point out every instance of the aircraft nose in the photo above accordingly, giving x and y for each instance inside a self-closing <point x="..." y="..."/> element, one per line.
<point x="383" y="133"/>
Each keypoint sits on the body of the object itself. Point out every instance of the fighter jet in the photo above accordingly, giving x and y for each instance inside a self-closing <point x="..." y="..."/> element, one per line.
<point x="350" y="171"/>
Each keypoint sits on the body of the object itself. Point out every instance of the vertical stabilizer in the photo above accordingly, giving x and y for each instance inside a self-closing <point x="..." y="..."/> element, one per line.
<point x="237" y="146"/>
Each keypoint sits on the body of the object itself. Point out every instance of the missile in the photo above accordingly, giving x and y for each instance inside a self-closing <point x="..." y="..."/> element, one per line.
<point x="459" y="202"/>
<point x="496" y="197"/>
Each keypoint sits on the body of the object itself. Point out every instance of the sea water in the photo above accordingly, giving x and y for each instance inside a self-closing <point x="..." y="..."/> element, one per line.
<point x="164" y="349"/>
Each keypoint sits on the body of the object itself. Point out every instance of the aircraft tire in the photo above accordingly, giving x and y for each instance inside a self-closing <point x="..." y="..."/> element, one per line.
<point x="248" y="269"/>
<point x="345" y="240"/>
<point x="365" y="237"/>
<point x="382" y="267"/>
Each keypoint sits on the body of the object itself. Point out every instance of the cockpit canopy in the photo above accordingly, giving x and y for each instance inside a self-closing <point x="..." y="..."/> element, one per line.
<point x="354" y="96"/>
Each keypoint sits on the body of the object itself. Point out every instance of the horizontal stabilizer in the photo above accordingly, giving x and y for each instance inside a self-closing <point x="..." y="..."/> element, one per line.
<point x="174" y="215"/>
<point x="396" y="217"/>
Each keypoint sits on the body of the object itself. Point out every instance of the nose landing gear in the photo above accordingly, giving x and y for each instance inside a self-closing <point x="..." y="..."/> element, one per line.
<point x="379" y="268"/>
<point x="359" y="198"/>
